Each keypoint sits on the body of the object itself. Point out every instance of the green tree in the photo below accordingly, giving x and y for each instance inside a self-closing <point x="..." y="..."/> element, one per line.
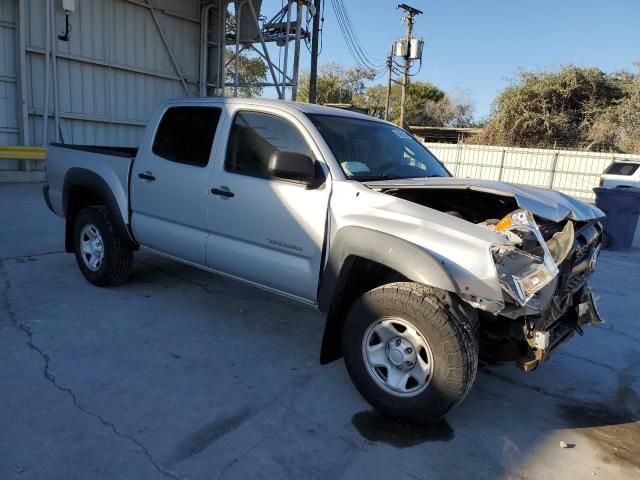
<point x="619" y="124"/>
<point x="252" y="71"/>
<point x="426" y="105"/>
<point x="448" y="111"/>
<point x="573" y="105"/>
<point x="336" y="84"/>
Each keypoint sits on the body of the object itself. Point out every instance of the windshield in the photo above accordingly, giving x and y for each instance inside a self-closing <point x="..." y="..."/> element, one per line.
<point x="619" y="168"/>
<point x="368" y="150"/>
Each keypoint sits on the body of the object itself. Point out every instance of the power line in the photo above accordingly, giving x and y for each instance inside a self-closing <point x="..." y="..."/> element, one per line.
<point x="347" y="37"/>
<point x="371" y="59"/>
<point x="357" y="51"/>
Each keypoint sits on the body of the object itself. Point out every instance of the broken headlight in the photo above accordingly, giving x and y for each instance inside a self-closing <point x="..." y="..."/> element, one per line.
<point x="523" y="274"/>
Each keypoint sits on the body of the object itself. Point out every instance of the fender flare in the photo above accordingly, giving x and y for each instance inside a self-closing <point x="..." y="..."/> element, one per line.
<point x="81" y="177"/>
<point x="408" y="259"/>
<point x="411" y="261"/>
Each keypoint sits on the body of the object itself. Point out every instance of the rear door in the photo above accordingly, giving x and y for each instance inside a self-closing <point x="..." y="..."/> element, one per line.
<point x="169" y="183"/>
<point x="263" y="230"/>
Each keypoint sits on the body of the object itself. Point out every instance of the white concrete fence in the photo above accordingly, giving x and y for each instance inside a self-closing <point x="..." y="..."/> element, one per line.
<point x="571" y="172"/>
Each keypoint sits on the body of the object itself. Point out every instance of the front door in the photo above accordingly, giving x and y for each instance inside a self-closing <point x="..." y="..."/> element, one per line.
<point x="170" y="181"/>
<point x="262" y="230"/>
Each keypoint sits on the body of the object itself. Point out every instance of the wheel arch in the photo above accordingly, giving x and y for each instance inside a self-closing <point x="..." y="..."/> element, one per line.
<point x="83" y="188"/>
<point x="361" y="259"/>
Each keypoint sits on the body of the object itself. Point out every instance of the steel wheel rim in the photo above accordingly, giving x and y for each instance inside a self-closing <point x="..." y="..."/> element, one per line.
<point x="397" y="357"/>
<point x="91" y="247"/>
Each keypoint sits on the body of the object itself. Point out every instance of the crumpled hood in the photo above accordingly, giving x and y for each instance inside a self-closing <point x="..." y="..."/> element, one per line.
<point x="543" y="202"/>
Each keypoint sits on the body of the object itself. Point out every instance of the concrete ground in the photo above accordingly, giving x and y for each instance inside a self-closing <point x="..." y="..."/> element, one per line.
<point x="183" y="374"/>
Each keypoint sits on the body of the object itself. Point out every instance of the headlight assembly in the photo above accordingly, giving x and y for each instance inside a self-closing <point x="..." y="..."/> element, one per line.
<point x="522" y="274"/>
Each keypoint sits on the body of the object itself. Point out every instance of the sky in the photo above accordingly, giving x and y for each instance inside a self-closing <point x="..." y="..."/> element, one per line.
<point x="477" y="47"/>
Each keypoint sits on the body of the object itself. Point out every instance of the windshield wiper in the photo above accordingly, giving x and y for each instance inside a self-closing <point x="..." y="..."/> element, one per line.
<point x="382" y="176"/>
<point x="373" y="178"/>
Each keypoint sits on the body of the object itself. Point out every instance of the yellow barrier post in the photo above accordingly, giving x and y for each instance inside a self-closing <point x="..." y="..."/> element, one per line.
<point x="26" y="155"/>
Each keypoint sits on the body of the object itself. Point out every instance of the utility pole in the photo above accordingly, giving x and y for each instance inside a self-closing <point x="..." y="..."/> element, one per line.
<point x="407" y="65"/>
<point x="388" y="104"/>
<point x="409" y="16"/>
<point x="315" y="37"/>
<point x="296" y="52"/>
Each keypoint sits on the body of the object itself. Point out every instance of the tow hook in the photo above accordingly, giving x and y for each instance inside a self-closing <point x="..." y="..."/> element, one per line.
<point x="540" y="340"/>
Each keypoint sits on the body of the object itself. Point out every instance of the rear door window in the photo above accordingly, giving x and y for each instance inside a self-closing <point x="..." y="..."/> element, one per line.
<point x="619" y="168"/>
<point x="185" y="134"/>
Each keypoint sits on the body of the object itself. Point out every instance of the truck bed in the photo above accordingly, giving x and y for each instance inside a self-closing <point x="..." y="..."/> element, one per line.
<point x="91" y="163"/>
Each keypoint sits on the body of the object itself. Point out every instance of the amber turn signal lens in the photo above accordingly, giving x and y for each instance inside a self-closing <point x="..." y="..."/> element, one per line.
<point x="504" y="224"/>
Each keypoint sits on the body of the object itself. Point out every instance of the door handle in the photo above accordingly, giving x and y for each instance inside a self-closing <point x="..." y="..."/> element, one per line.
<point x="146" y="176"/>
<point x="223" y="193"/>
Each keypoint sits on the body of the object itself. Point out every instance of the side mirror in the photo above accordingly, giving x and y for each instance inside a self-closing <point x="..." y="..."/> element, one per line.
<point x="292" y="166"/>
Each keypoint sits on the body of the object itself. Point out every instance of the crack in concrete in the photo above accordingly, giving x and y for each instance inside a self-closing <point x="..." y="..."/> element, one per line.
<point x="286" y="408"/>
<point x="43" y="254"/>
<point x="615" y="331"/>
<point x="50" y="377"/>
<point x="264" y="439"/>
<point x="257" y="445"/>
<point x="588" y="360"/>
<point x="534" y="388"/>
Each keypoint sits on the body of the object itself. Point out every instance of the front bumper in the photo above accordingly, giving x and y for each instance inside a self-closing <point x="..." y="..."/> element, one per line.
<point x="572" y="304"/>
<point x="542" y="342"/>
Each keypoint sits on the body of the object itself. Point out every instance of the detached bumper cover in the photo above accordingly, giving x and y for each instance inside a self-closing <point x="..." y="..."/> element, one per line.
<point x="583" y="312"/>
<point x="587" y="310"/>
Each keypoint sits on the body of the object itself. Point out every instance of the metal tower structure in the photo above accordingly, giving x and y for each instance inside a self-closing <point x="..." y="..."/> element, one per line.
<point x="230" y="28"/>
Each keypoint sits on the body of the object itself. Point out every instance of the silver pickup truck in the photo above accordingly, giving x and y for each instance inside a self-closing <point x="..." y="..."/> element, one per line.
<point x="419" y="274"/>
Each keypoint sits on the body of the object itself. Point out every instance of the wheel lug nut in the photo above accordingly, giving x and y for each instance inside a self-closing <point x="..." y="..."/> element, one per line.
<point x="398" y="342"/>
<point x="408" y="364"/>
<point x="409" y="351"/>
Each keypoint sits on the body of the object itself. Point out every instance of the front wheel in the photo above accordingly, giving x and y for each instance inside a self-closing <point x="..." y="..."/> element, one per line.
<point x="408" y="354"/>
<point x="103" y="257"/>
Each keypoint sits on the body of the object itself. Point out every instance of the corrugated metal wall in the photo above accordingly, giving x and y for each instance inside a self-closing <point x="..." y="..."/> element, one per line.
<point x="9" y="134"/>
<point x="115" y="68"/>
<point x="112" y="73"/>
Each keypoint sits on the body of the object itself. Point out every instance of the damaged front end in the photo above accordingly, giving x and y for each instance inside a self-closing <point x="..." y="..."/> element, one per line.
<point x="550" y="247"/>
<point x="543" y="272"/>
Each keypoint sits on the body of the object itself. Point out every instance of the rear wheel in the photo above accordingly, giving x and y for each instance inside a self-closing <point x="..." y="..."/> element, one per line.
<point x="103" y="257"/>
<point x="408" y="353"/>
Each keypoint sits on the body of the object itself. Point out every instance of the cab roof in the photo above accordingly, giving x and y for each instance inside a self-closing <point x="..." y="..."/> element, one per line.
<point x="308" y="108"/>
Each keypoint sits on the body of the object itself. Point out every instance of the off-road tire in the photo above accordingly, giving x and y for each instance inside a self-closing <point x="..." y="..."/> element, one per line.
<point x="118" y="255"/>
<point x="450" y="329"/>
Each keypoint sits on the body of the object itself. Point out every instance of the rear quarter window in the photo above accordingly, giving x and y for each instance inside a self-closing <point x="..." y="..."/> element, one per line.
<point x="619" y="168"/>
<point x="185" y="134"/>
